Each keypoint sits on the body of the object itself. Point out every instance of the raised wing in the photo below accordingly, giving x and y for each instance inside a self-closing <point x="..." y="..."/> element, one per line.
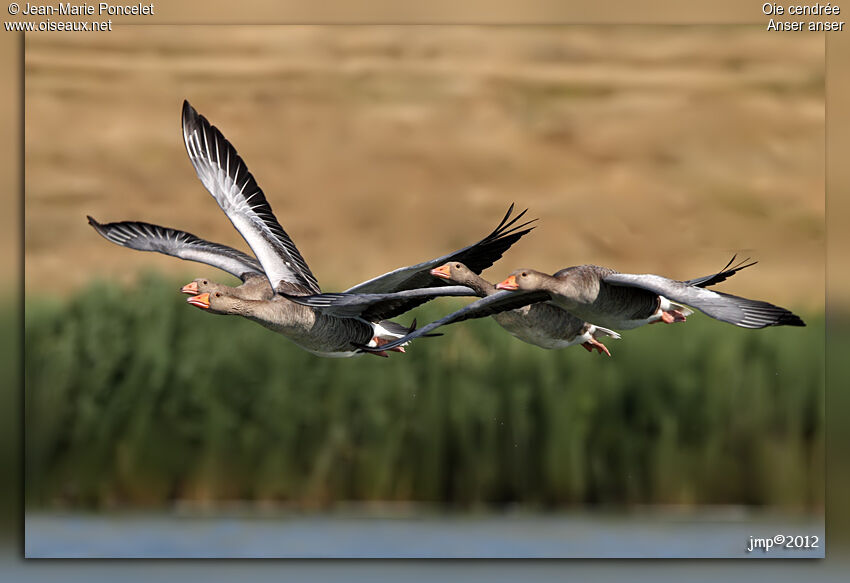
<point x="227" y="178"/>
<point x="742" y="312"/>
<point x="477" y="257"/>
<point x="492" y="304"/>
<point x="148" y="237"/>
<point x="375" y="307"/>
<point x="722" y="275"/>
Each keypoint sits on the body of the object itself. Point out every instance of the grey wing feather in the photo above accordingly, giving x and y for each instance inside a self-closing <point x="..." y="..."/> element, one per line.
<point x="374" y="307"/>
<point x="477" y="257"/>
<point x="735" y="310"/>
<point x="148" y="237"/>
<point x="492" y="304"/>
<point x="227" y="178"/>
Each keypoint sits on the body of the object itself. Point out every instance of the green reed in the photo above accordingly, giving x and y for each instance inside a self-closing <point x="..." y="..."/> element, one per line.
<point x="135" y="398"/>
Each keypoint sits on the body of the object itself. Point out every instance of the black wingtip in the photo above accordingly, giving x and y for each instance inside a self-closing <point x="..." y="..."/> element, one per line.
<point x="519" y="216"/>
<point x="98" y="227"/>
<point x="790" y="320"/>
<point x="190" y="116"/>
<point x="505" y="224"/>
<point x="739" y="266"/>
<point x="731" y="261"/>
<point x="507" y="214"/>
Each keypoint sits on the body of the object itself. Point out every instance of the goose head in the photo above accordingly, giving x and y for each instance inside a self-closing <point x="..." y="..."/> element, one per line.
<point x="217" y="302"/>
<point x="525" y="280"/>
<point x="197" y="286"/>
<point x="454" y="271"/>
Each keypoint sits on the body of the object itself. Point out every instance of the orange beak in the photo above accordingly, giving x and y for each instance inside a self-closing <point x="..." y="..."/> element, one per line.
<point x="201" y="301"/>
<point x="190" y="288"/>
<point x="509" y="284"/>
<point x="442" y="272"/>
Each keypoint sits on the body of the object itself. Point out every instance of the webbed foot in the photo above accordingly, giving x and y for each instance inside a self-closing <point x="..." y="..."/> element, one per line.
<point x="593" y="343"/>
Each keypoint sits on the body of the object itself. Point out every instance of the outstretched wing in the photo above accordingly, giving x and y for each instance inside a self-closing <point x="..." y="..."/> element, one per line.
<point x="742" y="312"/>
<point x="227" y="178"/>
<point x="477" y="257"/>
<point x="148" y="237"/>
<point x="722" y="275"/>
<point x="375" y="307"/>
<point x="492" y="304"/>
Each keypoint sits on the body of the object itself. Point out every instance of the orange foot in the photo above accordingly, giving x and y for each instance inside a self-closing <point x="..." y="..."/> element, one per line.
<point x="592" y="344"/>
<point x="670" y="317"/>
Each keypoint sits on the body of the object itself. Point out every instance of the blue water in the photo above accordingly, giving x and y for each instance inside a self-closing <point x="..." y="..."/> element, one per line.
<point x="645" y="534"/>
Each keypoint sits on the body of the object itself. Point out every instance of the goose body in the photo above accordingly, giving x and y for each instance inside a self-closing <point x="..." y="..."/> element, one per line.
<point x="310" y="329"/>
<point x="322" y="332"/>
<point x="582" y="291"/>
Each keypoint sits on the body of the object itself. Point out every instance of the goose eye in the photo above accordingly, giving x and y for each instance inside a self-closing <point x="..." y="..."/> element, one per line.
<point x="457" y="265"/>
<point x="205" y="282"/>
<point x="218" y="294"/>
<point x="523" y="274"/>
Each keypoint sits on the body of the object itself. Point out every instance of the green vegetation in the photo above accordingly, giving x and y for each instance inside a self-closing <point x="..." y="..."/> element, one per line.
<point x="133" y="397"/>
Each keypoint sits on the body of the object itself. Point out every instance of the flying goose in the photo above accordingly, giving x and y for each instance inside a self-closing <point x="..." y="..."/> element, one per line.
<point x="226" y="177"/>
<point x="624" y="301"/>
<point x="314" y="330"/>
<point x="497" y="304"/>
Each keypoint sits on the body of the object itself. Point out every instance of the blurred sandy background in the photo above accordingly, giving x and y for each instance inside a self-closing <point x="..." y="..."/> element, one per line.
<point x="647" y="149"/>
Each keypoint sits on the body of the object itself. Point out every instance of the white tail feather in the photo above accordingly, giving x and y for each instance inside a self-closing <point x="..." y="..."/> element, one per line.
<point x="597" y="331"/>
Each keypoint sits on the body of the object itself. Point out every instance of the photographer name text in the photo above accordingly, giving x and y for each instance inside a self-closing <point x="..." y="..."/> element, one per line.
<point x="101" y="9"/>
